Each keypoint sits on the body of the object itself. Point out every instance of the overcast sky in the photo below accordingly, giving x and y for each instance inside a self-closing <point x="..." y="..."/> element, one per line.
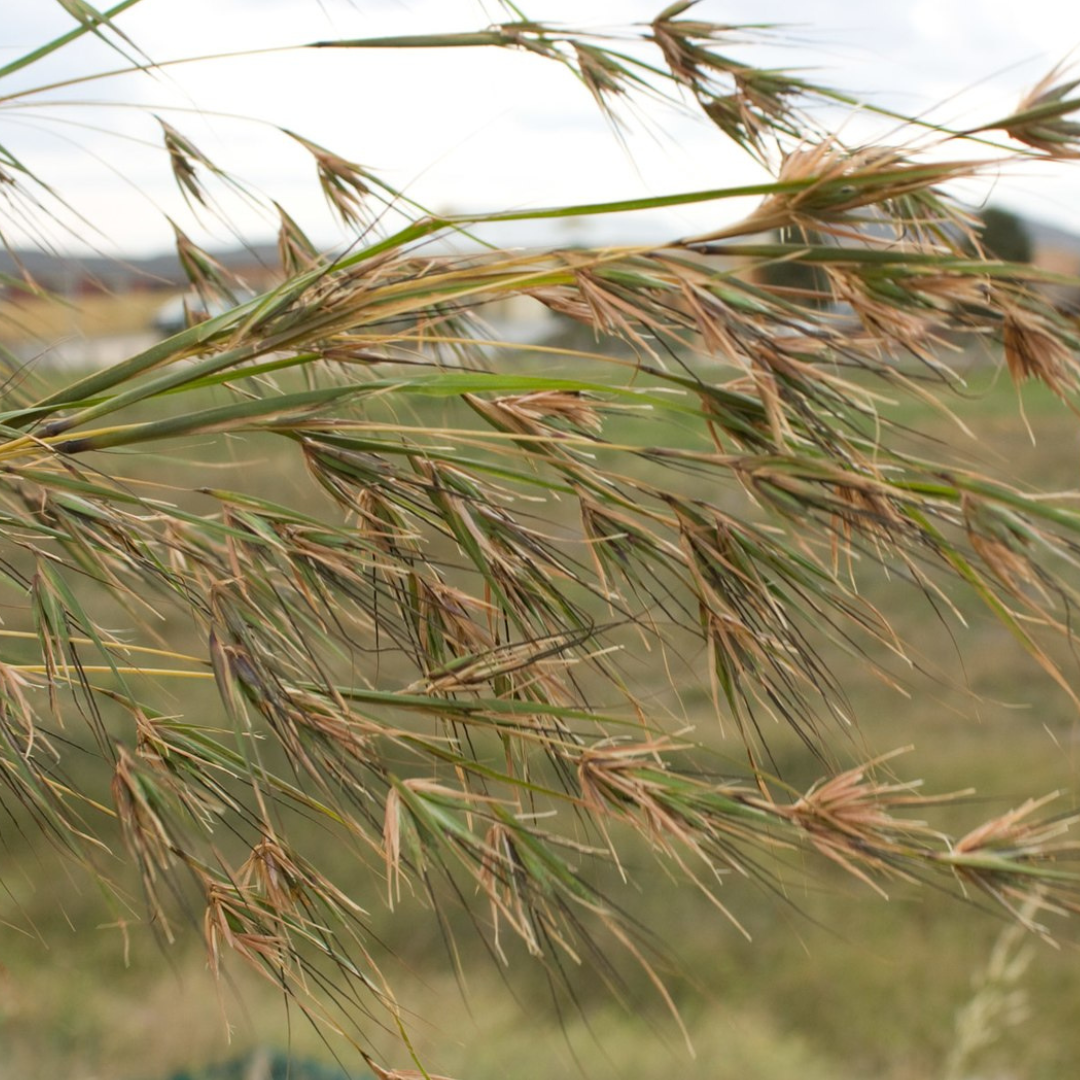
<point x="482" y="128"/>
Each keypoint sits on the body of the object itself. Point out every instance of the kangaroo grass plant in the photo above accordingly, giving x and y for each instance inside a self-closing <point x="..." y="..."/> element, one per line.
<point x="451" y="661"/>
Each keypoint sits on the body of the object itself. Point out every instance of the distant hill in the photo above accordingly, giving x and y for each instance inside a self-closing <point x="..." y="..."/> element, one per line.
<point x="1054" y="246"/>
<point x="73" y="274"/>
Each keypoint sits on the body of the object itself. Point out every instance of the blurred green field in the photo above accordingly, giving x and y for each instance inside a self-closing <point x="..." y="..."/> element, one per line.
<point x="837" y="981"/>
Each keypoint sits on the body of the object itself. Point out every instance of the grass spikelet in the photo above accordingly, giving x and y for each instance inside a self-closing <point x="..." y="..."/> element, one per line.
<point x="296" y="251"/>
<point x="208" y="277"/>
<point x="142" y="817"/>
<point x="601" y="74"/>
<point x="184" y="157"/>
<point x="850" y="819"/>
<point x="345" y="185"/>
<point x="1040" y="118"/>
<point x="684" y="44"/>
<point x="1034" y="351"/>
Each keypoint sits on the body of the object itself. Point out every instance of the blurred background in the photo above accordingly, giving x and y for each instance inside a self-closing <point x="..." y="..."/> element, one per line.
<point x="830" y="979"/>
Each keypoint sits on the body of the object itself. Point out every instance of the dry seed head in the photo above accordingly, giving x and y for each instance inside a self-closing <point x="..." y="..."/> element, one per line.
<point x="209" y="277"/>
<point x="273" y="875"/>
<point x="717" y="324"/>
<point x="533" y="412"/>
<point x="677" y="39"/>
<point x="506" y="884"/>
<point x="168" y="764"/>
<point x="1001" y="548"/>
<point x="529" y="663"/>
<point x="729" y="112"/>
<point x="614" y="780"/>
<point x="297" y="253"/>
<point x="564" y="300"/>
<point x="855" y="804"/>
<point x="881" y="318"/>
<point x="183" y="158"/>
<point x="612" y="313"/>
<point x="452" y="615"/>
<point x="18" y="716"/>
<point x="601" y="74"/>
<point x="849" y="819"/>
<point x="145" y="833"/>
<point x="1034" y="351"/>
<point x="944" y="291"/>
<point x="1040" y="119"/>
<point x="755" y="109"/>
<point x="344" y="184"/>
<point x="1016" y="833"/>
<point x="766" y="91"/>
<point x="833" y="181"/>
<point x="231" y="921"/>
<point x="1004" y="856"/>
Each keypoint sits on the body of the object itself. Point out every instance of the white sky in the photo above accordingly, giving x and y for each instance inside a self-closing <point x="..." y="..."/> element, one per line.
<point x="482" y="128"/>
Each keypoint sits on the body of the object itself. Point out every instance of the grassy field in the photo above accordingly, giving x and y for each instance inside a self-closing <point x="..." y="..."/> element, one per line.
<point x="837" y="982"/>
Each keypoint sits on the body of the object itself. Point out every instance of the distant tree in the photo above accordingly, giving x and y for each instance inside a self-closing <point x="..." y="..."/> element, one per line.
<point x="1004" y="236"/>
<point x="451" y="663"/>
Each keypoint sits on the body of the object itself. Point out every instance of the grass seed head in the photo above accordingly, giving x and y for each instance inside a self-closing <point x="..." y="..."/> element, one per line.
<point x="1034" y="350"/>
<point x="1041" y="120"/>
<point x="345" y="185"/>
